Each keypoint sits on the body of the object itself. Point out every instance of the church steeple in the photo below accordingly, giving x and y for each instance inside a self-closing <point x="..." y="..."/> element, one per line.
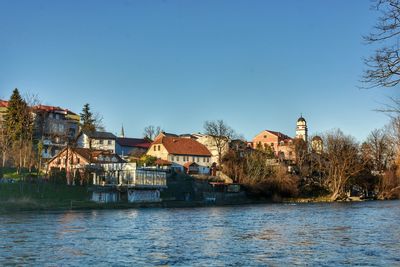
<point x="301" y="128"/>
<point x="122" y="132"/>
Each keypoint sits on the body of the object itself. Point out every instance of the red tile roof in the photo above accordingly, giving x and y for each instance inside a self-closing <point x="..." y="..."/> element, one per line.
<point x="182" y="146"/>
<point x="133" y="142"/>
<point x="163" y="162"/>
<point x="52" y="109"/>
<point x="3" y="103"/>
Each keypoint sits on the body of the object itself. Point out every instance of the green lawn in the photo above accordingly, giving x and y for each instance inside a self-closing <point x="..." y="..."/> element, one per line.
<point x="11" y="173"/>
<point x="28" y="196"/>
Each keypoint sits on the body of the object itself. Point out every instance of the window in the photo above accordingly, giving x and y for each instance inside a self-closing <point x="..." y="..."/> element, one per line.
<point x="110" y="142"/>
<point x="78" y="160"/>
<point x="177" y="158"/>
<point x="159" y="147"/>
<point x="172" y="158"/>
<point x="197" y="159"/>
<point x="265" y="136"/>
<point x="154" y="147"/>
<point x="100" y="142"/>
<point x="193" y="159"/>
<point x="204" y="159"/>
<point x="272" y="144"/>
<point x="208" y="160"/>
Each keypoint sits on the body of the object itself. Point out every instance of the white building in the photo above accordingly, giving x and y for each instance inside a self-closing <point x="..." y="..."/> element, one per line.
<point x="140" y="185"/>
<point x="97" y="140"/>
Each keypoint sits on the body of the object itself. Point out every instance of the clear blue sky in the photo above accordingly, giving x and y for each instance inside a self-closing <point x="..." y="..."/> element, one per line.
<point x="255" y="64"/>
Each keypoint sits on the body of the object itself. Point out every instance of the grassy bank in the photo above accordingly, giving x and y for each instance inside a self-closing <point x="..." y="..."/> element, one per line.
<point x="40" y="196"/>
<point x="23" y="196"/>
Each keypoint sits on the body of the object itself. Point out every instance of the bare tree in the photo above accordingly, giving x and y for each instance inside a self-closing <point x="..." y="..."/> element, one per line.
<point x="220" y="134"/>
<point x="383" y="68"/>
<point x="150" y="132"/>
<point x="341" y="161"/>
<point x="301" y="156"/>
<point x="392" y="109"/>
<point x="98" y="122"/>
<point x="379" y="151"/>
<point x="389" y="186"/>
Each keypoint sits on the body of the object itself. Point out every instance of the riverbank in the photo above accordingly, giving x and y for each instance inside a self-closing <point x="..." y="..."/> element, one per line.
<point x="18" y="197"/>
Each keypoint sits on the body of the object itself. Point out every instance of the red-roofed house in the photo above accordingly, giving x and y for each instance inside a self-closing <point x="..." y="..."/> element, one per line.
<point x="280" y="143"/>
<point x="131" y="146"/>
<point x="56" y="127"/>
<point x="182" y="153"/>
<point x="75" y="160"/>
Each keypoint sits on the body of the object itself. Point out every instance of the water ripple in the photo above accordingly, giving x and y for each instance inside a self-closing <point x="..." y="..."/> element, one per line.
<point x="328" y="234"/>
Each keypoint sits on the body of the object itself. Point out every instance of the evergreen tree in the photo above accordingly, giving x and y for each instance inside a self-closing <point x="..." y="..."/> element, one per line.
<point x="87" y="120"/>
<point x="18" y="125"/>
<point x="15" y="116"/>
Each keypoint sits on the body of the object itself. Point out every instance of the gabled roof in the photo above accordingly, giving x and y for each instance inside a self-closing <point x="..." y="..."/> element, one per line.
<point x="133" y="142"/>
<point x="100" y="135"/>
<point x="279" y="135"/>
<point x="182" y="146"/>
<point x="91" y="156"/>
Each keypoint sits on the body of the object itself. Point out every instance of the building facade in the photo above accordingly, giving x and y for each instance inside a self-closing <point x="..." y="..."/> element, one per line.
<point x="184" y="154"/>
<point x="75" y="161"/>
<point x="209" y="142"/>
<point x="97" y="140"/>
<point x="55" y="127"/>
<point x="279" y="143"/>
<point x="131" y="147"/>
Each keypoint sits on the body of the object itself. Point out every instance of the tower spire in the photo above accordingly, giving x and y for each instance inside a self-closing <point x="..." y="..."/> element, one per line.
<point x="122" y="131"/>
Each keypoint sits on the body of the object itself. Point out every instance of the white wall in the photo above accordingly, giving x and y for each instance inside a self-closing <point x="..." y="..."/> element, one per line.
<point x="143" y="196"/>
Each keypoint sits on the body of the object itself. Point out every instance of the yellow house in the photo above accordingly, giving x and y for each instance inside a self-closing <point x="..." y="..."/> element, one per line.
<point x="184" y="154"/>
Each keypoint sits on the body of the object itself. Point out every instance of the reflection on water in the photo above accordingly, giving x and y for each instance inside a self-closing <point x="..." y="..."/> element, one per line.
<point x="275" y="234"/>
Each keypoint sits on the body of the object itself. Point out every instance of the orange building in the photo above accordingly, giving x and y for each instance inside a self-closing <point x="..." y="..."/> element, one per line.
<point x="280" y="143"/>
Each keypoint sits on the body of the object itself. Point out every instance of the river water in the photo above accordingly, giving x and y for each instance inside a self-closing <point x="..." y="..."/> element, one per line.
<point x="329" y="234"/>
